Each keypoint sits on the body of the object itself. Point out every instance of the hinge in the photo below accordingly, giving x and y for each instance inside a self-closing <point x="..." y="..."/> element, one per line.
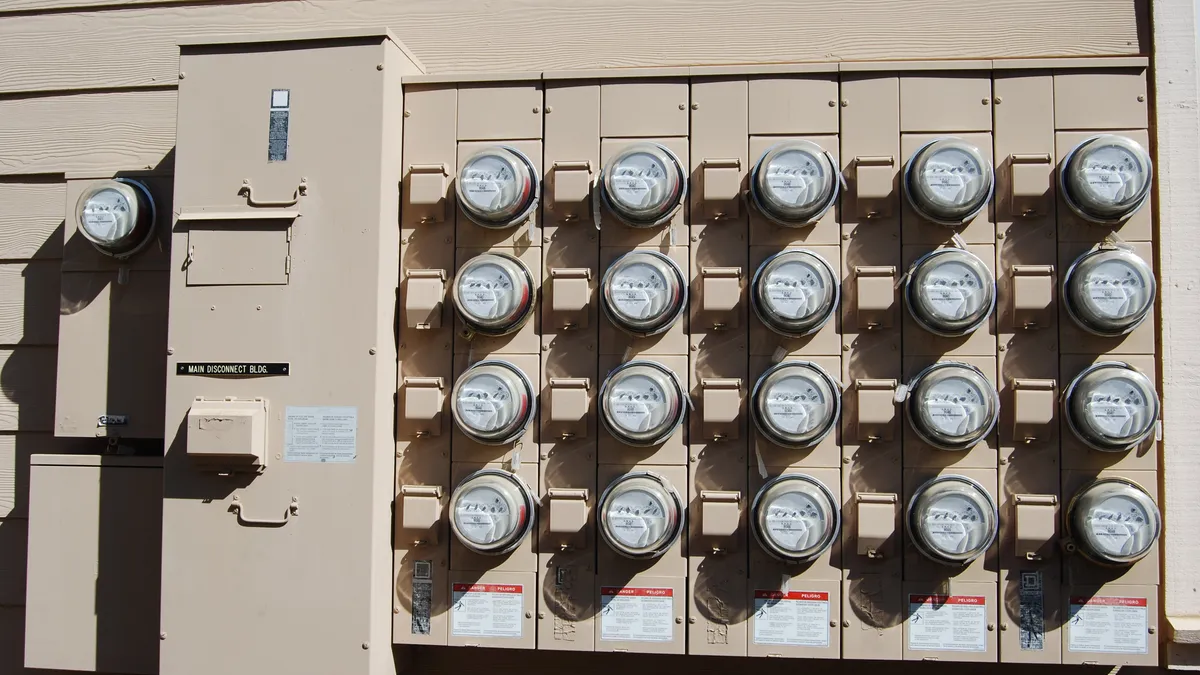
<point x="287" y="265"/>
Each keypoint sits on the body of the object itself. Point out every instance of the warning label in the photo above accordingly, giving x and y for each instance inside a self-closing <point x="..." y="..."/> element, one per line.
<point x="794" y="618"/>
<point x="487" y="610"/>
<point x="949" y="623"/>
<point x="1108" y="625"/>
<point x="636" y="614"/>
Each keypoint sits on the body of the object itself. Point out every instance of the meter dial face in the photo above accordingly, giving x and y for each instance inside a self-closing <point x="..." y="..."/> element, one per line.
<point x="1109" y="292"/>
<point x="795" y="292"/>
<point x="493" y="294"/>
<point x="794" y="183"/>
<point x="1111" y="407"/>
<point x="641" y="515"/>
<point x="491" y="511"/>
<point x="952" y="406"/>
<point x="1106" y="179"/>
<point x="950" y="292"/>
<point x="493" y="402"/>
<point x="641" y="403"/>
<point x="948" y="181"/>
<point x="1114" y="521"/>
<point x="643" y="293"/>
<point x="116" y="216"/>
<point x="497" y="187"/>
<point x="952" y="519"/>
<point x="643" y="184"/>
<point x="795" y="518"/>
<point x="795" y="404"/>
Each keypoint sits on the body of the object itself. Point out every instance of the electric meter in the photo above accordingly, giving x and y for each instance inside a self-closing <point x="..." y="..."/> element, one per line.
<point x="1113" y="521"/>
<point x="795" y="518"/>
<point x="1106" y="179"/>
<point x="795" y="292"/>
<point x="493" y="402"/>
<point x="643" y="184"/>
<point x="952" y="519"/>
<point x="795" y="404"/>
<point x="950" y="292"/>
<point x="794" y="183"/>
<point x="1111" y="406"/>
<point x="948" y="181"/>
<point x="643" y="293"/>
<point x="492" y="511"/>
<point x="952" y="406"/>
<point x="641" y="403"/>
<point x="497" y="187"/>
<point x="116" y="216"/>
<point x="1109" y="291"/>
<point x="641" y="515"/>
<point x="493" y="294"/>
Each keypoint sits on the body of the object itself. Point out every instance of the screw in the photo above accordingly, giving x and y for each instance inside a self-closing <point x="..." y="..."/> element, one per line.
<point x="991" y="626"/>
<point x="366" y="645"/>
<point x="1149" y="629"/>
<point x="679" y="619"/>
<point x="695" y="237"/>
<point x="833" y="624"/>
<point x="998" y="102"/>
<point x="542" y="615"/>
<point x="545" y="240"/>
<point x="402" y="345"/>
<point x="278" y="456"/>
<point x="408" y="113"/>
<point x="182" y="75"/>
<point x="536" y="109"/>
<point x="258" y="308"/>
<point x="692" y="620"/>
<point x="695" y="347"/>
<point x="682" y="106"/>
<point x="447" y="240"/>
<point x="212" y="308"/>
<point x="986" y="100"/>
<point x="1002" y="347"/>
<point x="371" y="351"/>
<point x="549" y="109"/>
<point x="163" y="636"/>
<point x="1141" y="99"/>
<point x="528" y="615"/>
<point x="693" y="458"/>
<point x="170" y="351"/>
<point x="999" y="235"/>
<point x="846" y="236"/>
<point x="845" y="348"/>
<point x="695" y="106"/>
<point x="845" y="460"/>
<point x="833" y="104"/>
<point x="845" y="624"/>
<point x="378" y="66"/>
<point x="395" y="610"/>
<point x="1003" y="626"/>
<point x="546" y="347"/>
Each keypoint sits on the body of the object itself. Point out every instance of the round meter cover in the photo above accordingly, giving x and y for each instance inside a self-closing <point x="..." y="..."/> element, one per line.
<point x="493" y="294"/>
<point x="795" y="518"/>
<point x="1111" y="406"/>
<point x="952" y="406"/>
<point x="1107" y="178"/>
<point x="952" y="519"/>
<point x="950" y="292"/>
<point x="1113" y="521"/>
<point x="493" y="402"/>
<point x="116" y="216"/>
<point x="948" y="181"/>
<point x="1109" y="291"/>
<point x="491" y="511"/>
<point x="643" y="184"/>
<point x="795" y="292"/>
<point x="643" y="293"/>
<point x="795" y="404"/>
<point x="794" y="183"/>
<point x="641" y="403"/>
<point x="497" y="187"/>
<point x="641" y="515"/>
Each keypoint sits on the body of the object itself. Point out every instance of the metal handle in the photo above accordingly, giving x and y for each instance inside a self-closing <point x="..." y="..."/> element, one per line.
<point x="248" y="191"/>
<point x="237" y="508"/>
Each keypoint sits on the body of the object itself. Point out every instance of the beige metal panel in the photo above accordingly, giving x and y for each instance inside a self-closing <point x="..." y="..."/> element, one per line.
<point x="15" y="451"/>
<point x="112" y="354"/>
<point x="613" y="232"/>
<point x="674" y="340"/>
<point x="764" y="341"/>
<point x="765" y="232"/>
<point x="506" y="586"/>
<point x="522" y="235"/>
<point x="917" y="453"/>
<point x="638" y="108"/>
<point x="819" y="620"/>
<point x="948" y="101"/>
<point x="500" y="112"/>
<point x="981" y="229"/>
<point x="525" y="340"/>
<point x="421" y="604"/>
<point x="918" y="341"/>
<point x="1076" y="455"/>
<point x="28" y="302"/>
<point x="917" y="567"/>
<point x="1100" y="99"/>
<point x="1075" y="340"/>
<point x="1030" y="502"/>
<point x="1078" y="569"/>
<point x="523" y="558"/>
<point x="972" y="632"/>
<point x="825" y="454"/>
<point x="719" y="120"/>
<point x="567" y="561"/>
<point x="467" y="450"/>
<point x="27" y="397"/>
<point x="31" y="215"/>
<point x="873" y="616"/>
<point x="1129" y="609"/>
<point x="572" y="151"/>
<point x="1072" y="228"/>
<point x="673" y="451"/>
<point x="1030" y="616"/>
<point x="94" y="564"/>
<point x="794" y="105"/>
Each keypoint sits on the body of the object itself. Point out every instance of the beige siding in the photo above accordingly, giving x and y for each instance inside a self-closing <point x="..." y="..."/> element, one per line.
<point x="31" y="219"/>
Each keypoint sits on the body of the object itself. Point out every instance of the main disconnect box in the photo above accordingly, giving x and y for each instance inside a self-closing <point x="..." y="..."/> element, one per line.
<point x="818" y="361"/>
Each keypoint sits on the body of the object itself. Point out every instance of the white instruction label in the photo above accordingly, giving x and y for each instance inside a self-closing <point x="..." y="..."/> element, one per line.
<point x="320" y="434"/>
<point x="637" y="614"/>
<point x="1107" y="625"/>
<point x="948" y="623"/>
<point x="487" y="610"/>
<point x="794" y="618"/>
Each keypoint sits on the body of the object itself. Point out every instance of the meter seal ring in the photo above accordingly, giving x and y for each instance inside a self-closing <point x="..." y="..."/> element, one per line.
<point x="1066" y="407"/>
<point x="761" y="313"/>
<point x="602" y="181"/>
<point x="913" y="529"/>
<point x="1074" y="206"/>
<point x="761" y="538"/>
<point x="909" y="290"/>
<point x="519" y="429"/>
<point x="763" y="428"/>
<point x="666" y="323"/>
<point x="906" y="177"/>
<point x="756" y="198"/>
<point x="668" y="541"/>
<point x="1072" y="539"/>
<point x="530" y="504"/>
<point x="668" y="430"/>
<point x="519" y="321"/>
<point x="1065" y="294"/>
<point x="144" y="198"/>
<point x="912" y="402"/>
<point x="535" y="193"/>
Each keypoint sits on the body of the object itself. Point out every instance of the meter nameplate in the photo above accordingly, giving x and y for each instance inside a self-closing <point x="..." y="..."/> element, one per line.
<point x="791" y="618"/>
<point x="424" y="298"/>
<point x="487" y="610"/>
<point x="1108" y="625"/>
<point x="1033" y="296"/>
<point x="277" y="132"/>
<point x="1036" y="517"/>
<point x="637" y="614"/>
<point x="876" y="409"/>
<point x="324" y="434"/>
<point x="232" y="369"/>
<point x="876" y="296"/>
<point x="947" y="623"/>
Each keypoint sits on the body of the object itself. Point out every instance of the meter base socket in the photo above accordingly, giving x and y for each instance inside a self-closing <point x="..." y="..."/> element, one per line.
<point x="228" y="435"/>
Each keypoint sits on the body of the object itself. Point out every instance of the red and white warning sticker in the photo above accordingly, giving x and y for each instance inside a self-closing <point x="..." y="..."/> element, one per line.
<point x="487" y="610"/>
<point x="948" y="623"/>
<point x="1109" y="625"/>
<point x="637" y="614"/>
<point x="794" y="618"/>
